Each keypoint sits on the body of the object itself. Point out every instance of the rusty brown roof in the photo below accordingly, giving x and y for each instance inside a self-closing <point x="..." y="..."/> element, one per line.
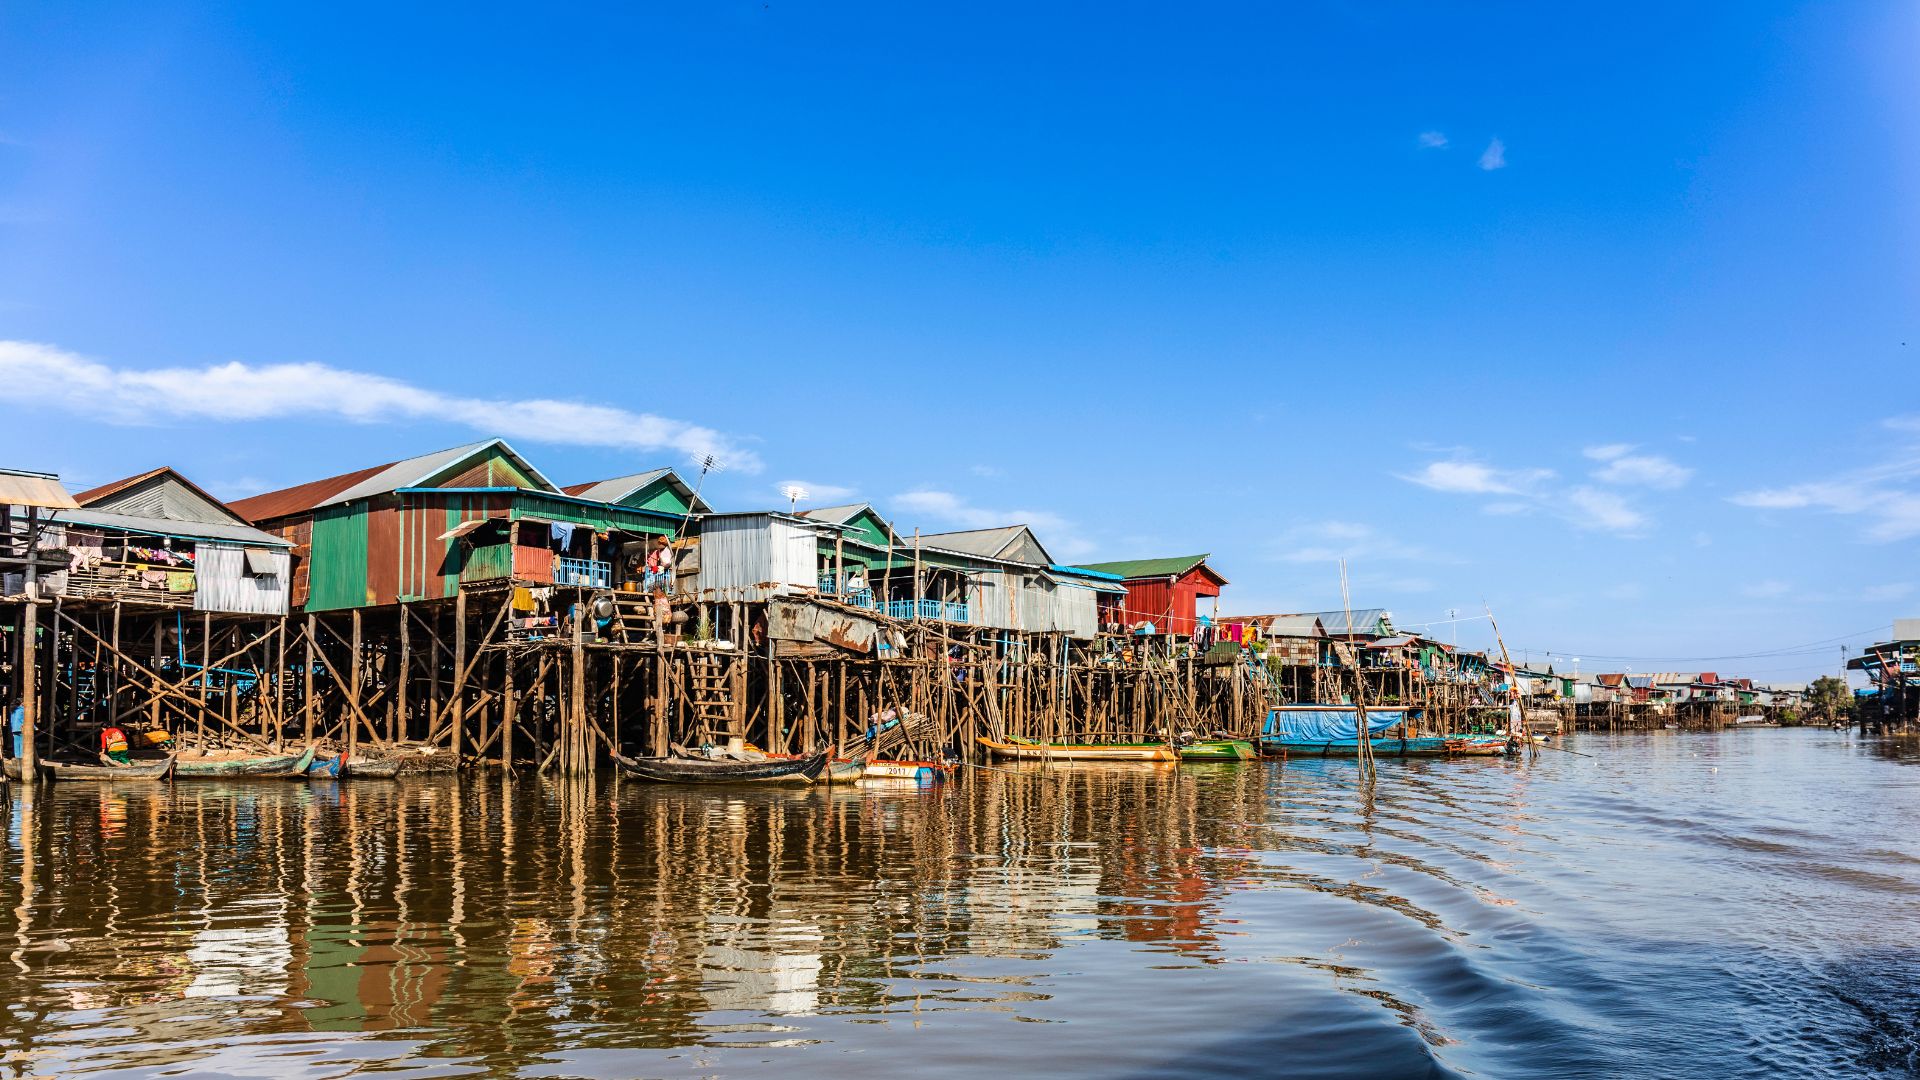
<point x="301" y="497"/>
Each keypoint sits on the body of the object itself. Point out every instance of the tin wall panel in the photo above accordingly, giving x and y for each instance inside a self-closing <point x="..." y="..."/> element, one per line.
<point x="221" y="581"/>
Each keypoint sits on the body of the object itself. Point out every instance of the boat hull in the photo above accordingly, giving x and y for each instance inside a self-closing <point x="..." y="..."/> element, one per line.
<point x="921" y="772"/>
<point x="1021" y="750"/>
<point x="1219" y="750"/>
<point x="281" y="765"/>
<point x="677" y="770"/>
<point x="61" y="770"/>
<point x="374" y="769"/>
<point x="1426" y="746"/>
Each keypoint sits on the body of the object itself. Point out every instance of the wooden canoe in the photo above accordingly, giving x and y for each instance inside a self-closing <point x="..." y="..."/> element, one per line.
<point x="1219" y="750"/>
<point x="61" y="770"/>
<point x="920" y="772"/>
<point x="696" y="770"/>
<point x="239" y="768"/>
<point x="1015" y="749"/>
<point x="374" y="768"/>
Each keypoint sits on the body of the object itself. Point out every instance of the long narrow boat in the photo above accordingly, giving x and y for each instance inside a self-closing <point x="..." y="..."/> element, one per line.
<point x="288" y="765"/>
<point x="1424" y="746"/>
<point x="1017" y="749"/>
<point x="62" y="770"/>
<point x="1219" y="750"/>
<point x="373" y="768"/>
<point x="697" y="770"/>
<point x="921" y="772"/>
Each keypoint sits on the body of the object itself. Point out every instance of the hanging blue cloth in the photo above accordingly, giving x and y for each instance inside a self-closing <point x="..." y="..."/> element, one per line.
<point x="562" y="533"/>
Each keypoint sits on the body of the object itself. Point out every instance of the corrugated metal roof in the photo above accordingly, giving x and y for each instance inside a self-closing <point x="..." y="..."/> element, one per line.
<point x="991" y="543"/>
<point x="1399" y="642"/>
<point x="619" y="487"/>
<point x="839" y="515"/>
<point x="21" y="488"/>
<point x="1365" y="621"/>
<point x="1148" y="568"/>
<point x="158" y="526"/>
<point x="378" y="480"/>
<point x="160" y="493"/>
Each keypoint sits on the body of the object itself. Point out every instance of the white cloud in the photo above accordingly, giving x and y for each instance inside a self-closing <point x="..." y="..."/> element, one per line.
<point x="816" y="494"/>
<point x="1331" y="541"/>
<point x="1902" y="423"/>
<point x="1494" y="156"/>
<point x="1626" y="468"/>
<point x="946" y="509"/>
<point x="1433" y="140"/>
<point x="1591" y="508"/>
<point x="43" y="377"/>
<point x="1473" y="478"/>
<point x="1887" y="495"/>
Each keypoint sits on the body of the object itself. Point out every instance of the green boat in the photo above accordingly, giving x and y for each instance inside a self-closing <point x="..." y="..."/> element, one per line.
<point x="1219" y="750"/>
<point x="203" y="768"/>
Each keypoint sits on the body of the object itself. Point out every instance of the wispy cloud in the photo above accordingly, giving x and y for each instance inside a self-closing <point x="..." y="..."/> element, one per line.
<point x="988" y="472"/>
<point x="950" y="510"/>
<point x="816" y="494"/>
<point x="1474" y="478"/>
<point x="1433" y="140"/>
<point x="1771" y="589"/>
<point x="45" y="377"/>
<point x="1592" y="508"/>
<point x="1886" y="496"/>
<point x="1494" y="156"/>
<point x="1528" y="490"/>
<point x="1330" y="541"/>
<point x="1628" y="469"/>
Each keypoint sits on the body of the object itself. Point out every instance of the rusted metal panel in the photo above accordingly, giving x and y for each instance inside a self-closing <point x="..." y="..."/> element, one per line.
<point x="383" y="554"/>
<point x="802" y="621"/>
<point x="848" y="631"/>
<point x="789" y="621"/>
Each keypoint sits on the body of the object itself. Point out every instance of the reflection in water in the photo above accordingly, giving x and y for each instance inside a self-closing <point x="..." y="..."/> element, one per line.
<point x="1675" y="904"/>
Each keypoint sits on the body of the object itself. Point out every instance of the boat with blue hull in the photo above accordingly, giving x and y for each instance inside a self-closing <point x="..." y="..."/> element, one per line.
<point x="1334" y="731"/>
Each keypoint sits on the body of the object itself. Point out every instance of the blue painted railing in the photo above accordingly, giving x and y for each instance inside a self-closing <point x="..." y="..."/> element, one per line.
<point x="930" y="610"/>
<point x="591" y="573"/>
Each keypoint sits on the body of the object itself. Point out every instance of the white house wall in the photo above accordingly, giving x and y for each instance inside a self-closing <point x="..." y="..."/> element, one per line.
<point x="221" y="581"/>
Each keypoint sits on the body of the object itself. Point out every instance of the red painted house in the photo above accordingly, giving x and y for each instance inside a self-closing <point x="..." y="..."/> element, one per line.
<point x="1164" y="592"/>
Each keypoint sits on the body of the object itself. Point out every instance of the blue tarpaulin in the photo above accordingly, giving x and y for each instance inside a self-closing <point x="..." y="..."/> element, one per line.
<point x="1328" y="725"/>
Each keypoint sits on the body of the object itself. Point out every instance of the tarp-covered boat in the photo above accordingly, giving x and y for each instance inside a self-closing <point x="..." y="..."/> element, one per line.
<point x="106" y="770"/>
<point x="1334" y="731"/>
<point x="687" y="769"/>
<point x="1017" y="749"/>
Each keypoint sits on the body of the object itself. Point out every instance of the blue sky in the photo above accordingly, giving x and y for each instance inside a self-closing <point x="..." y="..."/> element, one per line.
<point x="1604" y="317"/>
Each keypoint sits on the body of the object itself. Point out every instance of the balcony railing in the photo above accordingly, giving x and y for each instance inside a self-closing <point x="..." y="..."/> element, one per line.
<point x="590" y="573"/>
<point x="928" y="610"/>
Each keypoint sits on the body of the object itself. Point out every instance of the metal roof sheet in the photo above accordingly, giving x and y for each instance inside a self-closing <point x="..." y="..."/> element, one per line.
<point x="186" y="530"/>
<point x="377" y="480"/>
<point x="1146" y="568"/>
<point x="616" y="488"/>
<point x="19" y="487"/>
<point x="1364" y="621"/>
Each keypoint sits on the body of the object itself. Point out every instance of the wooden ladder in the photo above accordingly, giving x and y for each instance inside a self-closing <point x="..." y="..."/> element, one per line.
<point x="710" y="677"/>
<point x="633" y="620"/>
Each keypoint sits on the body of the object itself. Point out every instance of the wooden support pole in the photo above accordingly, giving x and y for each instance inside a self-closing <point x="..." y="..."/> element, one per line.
<point x="459" y="703"/>
<point x="353" y="687"/>
<point x="402" y="728"/>
<point x="306" y="678"/>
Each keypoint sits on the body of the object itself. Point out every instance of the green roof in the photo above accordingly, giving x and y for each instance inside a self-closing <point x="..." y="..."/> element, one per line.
<point x="1145" y="568"/>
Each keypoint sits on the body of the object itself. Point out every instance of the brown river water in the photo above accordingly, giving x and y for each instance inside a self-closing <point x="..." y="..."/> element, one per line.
<point x="1735" y="904"/>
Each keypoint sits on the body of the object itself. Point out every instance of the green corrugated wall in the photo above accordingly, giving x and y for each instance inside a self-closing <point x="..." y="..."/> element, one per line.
<point x="337" y="567"/>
